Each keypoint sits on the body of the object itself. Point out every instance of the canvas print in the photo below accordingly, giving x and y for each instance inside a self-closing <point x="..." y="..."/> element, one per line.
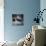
<point x="17" y="19"/>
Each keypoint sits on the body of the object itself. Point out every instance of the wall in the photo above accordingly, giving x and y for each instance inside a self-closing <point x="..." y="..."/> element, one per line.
<point x="26" y="7"/>
<point x="1" y="20"/>
<point x="43" y="6"/>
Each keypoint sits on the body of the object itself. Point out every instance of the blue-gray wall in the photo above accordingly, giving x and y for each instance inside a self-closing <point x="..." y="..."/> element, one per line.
<point x="26" y="7"/>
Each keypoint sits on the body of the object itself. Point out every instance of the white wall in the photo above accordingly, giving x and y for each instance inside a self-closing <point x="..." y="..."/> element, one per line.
<point x="43" y="6"/>
<point x="1" y="20"/>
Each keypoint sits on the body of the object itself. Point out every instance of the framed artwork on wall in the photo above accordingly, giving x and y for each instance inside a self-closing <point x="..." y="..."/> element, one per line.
<point x="17" y="19"/>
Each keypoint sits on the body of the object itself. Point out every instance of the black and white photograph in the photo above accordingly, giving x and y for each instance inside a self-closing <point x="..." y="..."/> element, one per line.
<point x="17" y="19"/>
